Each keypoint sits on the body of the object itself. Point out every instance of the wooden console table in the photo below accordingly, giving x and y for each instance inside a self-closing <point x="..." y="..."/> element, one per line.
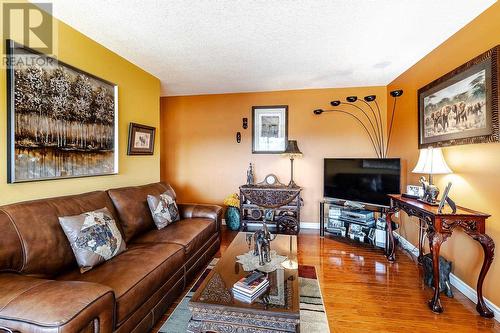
<point x="439" y="226"/>
<point x="283" y="200"/>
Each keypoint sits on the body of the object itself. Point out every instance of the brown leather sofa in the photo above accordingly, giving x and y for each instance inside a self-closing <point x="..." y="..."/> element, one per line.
<point x="42" y="289"/>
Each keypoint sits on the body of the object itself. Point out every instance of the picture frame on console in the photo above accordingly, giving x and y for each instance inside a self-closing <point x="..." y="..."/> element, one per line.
<point x="62" y="121"/>
<point x="461" y="107"/>
<point x="141" y="139"/>
<point x="269" y="129"/>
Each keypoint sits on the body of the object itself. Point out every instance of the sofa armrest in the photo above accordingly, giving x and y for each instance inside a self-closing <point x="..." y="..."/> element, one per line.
<point x="189" y="211"/>
<point x="36" y="305"/>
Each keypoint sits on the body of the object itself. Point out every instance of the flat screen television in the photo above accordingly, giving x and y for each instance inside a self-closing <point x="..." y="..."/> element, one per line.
<point x="364" y="180"/>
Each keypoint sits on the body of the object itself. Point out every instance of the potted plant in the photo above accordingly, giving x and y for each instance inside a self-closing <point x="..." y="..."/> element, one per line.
<point x="232" y="214"/>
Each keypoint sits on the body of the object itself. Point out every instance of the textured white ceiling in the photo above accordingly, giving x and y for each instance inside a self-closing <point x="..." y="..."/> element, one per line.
<point x="224" y="46"/>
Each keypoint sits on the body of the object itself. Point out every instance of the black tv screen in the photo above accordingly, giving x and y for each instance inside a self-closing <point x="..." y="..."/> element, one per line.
<point x="365" y="180"/>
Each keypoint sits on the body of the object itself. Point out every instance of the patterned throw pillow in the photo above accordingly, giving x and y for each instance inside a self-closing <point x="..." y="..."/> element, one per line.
<point x="94" y="237"/>
<point x="164" y="210"/>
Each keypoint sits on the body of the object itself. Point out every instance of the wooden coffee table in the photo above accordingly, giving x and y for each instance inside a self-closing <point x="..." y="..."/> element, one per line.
<point x="214" y="309"/>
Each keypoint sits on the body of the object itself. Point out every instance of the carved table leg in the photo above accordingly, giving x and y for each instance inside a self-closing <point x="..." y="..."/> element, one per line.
<point x="435" y="241"/>
<point x="420" y="243"/>
<point x="489" y="252"/>
<point x="390" y="244"/>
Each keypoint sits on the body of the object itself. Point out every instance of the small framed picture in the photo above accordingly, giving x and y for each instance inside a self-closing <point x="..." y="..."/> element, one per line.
<point x="415" y="190"/>
<point x="141" y="139"/>
<point x="270" y="129"/>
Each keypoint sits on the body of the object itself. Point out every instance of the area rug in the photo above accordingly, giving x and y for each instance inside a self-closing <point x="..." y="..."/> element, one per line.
<point x="312" y="311"/>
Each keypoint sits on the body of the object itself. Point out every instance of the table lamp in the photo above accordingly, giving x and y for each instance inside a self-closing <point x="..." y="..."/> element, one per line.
<point x="292" y="150"/>
<point x="431" y="161"/>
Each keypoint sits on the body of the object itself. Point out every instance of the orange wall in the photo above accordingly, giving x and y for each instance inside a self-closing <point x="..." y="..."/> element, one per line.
<point x="201" y="159"/>
<point x="476" y="180"/>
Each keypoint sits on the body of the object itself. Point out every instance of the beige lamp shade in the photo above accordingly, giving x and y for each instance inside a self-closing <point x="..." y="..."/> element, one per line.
<point x="431" y="161"/>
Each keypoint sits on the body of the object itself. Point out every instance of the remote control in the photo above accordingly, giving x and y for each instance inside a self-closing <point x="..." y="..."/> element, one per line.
<point x="252" y="277"/>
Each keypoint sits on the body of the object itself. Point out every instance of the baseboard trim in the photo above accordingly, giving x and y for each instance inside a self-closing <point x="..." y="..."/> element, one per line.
<point x="309" y="225"/>
<point x="463" y="287"/>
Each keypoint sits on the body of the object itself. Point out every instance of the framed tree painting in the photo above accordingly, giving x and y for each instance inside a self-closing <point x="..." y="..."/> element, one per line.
<point x="462" y="106"/>
<point x="270" y="129"/>
<point x="141" y="139"/>
<point x="62" y="121"/>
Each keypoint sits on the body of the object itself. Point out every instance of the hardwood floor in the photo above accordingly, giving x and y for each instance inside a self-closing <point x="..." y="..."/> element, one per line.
<point x="362" y="292"/>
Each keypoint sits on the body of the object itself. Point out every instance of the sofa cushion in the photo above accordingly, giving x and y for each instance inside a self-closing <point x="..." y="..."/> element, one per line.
<point x="135" y="274"/>
<point x="34" y="242"/>
<point x="38" y="305"/>
<point x="132" y="207"/>
<point x="192" y="234"/>
<point x="163" y="209"/>
<point x="94" y="237"/>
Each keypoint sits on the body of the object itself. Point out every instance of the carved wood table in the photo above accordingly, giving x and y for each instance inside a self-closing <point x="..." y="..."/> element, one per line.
<point x="439" y="226"/>
<point x="283" y="200"/>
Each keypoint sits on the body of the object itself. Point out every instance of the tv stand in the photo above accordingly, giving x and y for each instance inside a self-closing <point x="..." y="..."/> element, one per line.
<point x="362" y="223"/>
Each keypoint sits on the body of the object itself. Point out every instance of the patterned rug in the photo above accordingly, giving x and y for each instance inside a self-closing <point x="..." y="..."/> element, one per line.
<point x="312" y="311"/>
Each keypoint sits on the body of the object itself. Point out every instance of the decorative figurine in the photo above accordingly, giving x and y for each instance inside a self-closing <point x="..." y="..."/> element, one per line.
<point x="262" y="248"/>
<point x="444" y="274"/>
<point x="431" y="192"/>
<point x="250" y="179"/>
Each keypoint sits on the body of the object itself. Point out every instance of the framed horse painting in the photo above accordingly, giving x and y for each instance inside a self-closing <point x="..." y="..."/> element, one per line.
<point x="462" y="106"/>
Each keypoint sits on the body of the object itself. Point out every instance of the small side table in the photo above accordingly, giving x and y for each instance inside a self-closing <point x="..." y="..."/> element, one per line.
<point x="440" y="226"/>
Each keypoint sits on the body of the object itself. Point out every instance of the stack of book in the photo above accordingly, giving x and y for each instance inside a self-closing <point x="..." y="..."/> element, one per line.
<point x="248" y="290"/>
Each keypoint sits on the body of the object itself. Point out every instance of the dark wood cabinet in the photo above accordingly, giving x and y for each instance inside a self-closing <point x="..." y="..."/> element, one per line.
<point x="279" y="204"/>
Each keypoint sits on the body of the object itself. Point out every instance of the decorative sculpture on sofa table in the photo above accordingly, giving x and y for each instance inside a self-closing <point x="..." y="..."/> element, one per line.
<point x="431" y="192"/>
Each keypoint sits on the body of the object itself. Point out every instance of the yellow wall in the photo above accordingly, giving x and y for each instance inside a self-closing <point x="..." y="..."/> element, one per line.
<point x="201" y="159"/>
<point x="476" y="180"/>
<point x="139" y="98"/>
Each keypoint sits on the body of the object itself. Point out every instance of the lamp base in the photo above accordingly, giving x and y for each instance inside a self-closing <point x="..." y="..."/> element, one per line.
<point x="290" y="264"/>
<point x="434" y="203"/>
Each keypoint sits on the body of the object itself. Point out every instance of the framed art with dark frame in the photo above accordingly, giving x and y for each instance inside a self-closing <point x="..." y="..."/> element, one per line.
<point x="141" y="139"/>
<point x="462" y="106"/>
<point x="62" y="122"/>
<point x="269" y="129"/>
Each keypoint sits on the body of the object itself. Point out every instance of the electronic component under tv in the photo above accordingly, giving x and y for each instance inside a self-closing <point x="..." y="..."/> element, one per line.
<point x="364" y="180"/>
